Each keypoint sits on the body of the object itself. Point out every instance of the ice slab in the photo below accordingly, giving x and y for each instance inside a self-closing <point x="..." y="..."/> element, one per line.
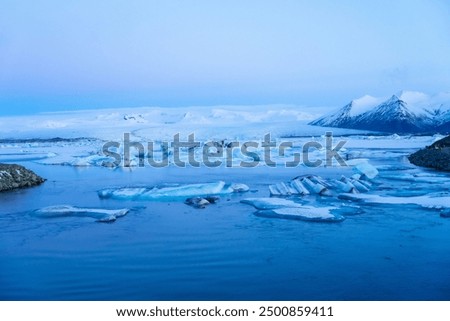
<point x="100" y="215"/>
<point x="168" y="193"/>
<point x="304" y="213"/>
<point x="269" y="203"/>
<point x="312" y="184"/>
<point x="363" y="167"/>
<point x="428" y="201"/>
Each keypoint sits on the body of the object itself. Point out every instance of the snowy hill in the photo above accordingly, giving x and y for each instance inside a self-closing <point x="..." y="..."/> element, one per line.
<point x="407" y="112"/>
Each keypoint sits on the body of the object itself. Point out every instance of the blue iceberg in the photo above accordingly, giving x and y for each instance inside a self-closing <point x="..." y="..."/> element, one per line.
<point x="172" y="193"/>
<point x="100" y="215"/>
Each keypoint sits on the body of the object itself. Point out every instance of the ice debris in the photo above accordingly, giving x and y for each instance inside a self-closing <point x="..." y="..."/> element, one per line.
<point x="168" y="193"/>
<point x="100" y="215"/>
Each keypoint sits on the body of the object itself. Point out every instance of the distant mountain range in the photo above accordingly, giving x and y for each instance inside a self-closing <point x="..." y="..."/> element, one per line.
<point x="406" y="112"/>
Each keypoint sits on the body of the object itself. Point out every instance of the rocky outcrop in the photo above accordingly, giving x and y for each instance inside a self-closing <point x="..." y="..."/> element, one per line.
<point x="435" y="156"/>
<point x="16" y="176"/>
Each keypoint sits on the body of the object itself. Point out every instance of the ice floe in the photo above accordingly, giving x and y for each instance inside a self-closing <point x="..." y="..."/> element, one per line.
<point x="304" y="213"/>
<point x="268" y="203"/>
<point x="100" y="215"/>
<point x="288" y="209"/>
<point x="428" y="201"/>
<point x="168" y="193"/>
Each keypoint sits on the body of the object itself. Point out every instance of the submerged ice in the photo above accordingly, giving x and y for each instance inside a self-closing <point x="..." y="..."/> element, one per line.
<point x="304" y="213"/>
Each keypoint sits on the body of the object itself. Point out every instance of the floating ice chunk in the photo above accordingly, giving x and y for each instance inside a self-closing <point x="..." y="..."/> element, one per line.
<point x="270" y="203"/>
<point x="319" y="180"/>
<point x="169" y="192"/>
<point x="356" y="176"/>
<point x="362" y="166"/>
<point x="101" y="215"/>
<point x="274" y="191"/>
<point x="427" y="201"/>
<point x="304" y="213"/>
<point x="418" y="178"/>
<point x="239" y="188"/>
<point x="299" y="187"/>
<point x="122" y="193"/>
<point x="279" y="189"/>
<point x="312" y="184"/>
<point x="316" y="188"/>
<point x="91" y="160"/>
<point x="345" y="187"/>
<point x="359" y="186"/>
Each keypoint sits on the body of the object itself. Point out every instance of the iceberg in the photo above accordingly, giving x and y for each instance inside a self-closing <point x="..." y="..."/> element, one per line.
<point x="312" y="184"/>
<point x="362" y="166"/>
<point x="169" y="193"/>
<point x="316" y="188"/>
<point x="304" y="213"/>
<point x="100" y="215"/>
<point x="302" y="185"/>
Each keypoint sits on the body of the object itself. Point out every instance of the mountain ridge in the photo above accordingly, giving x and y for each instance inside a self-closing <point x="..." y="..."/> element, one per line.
<point x="405" y="112"/>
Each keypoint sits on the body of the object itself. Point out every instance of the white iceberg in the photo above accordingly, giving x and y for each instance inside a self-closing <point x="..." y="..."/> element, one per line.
<point x="101" y="215"/>
<point x="169" y="193"/>
<point x="363" y="167"/>
<point x="304" y="213"/>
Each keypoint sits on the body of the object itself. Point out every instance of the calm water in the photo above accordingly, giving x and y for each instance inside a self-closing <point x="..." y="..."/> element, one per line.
<point x="170" y="251"/>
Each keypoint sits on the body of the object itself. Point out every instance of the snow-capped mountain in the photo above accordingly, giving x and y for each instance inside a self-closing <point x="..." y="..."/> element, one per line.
<point x="406" y="112"/>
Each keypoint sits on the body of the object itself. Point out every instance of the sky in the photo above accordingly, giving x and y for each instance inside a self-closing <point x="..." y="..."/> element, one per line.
<point x="67" y="55"/>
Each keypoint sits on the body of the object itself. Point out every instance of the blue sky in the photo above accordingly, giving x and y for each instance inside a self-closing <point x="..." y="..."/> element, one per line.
<point x="62" y="55"/>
